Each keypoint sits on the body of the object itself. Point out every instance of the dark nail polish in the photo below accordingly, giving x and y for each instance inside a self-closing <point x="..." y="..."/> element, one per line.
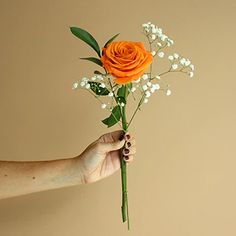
<point x="126" y="151"/>
<point x="121" y="137"/>
<point x="126" y="158"/>
<point x="128" y="144"/>
<point x="128" y="136"/>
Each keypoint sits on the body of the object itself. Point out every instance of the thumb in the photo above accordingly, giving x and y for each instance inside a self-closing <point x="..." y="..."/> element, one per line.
<point x="116" y="145"/>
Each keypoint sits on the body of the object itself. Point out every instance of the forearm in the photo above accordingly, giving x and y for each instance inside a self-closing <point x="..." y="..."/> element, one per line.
<point x="23" y="177"/>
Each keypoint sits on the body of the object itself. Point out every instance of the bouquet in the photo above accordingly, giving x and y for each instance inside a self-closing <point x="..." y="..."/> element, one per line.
<point x="127" y="74"/>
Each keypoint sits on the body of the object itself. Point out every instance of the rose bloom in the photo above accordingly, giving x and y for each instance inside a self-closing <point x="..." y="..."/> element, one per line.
<point x="126" y="61"/>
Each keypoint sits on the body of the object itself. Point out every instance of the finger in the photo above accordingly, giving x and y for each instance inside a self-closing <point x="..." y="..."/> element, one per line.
<point x="127" y="145"/>
<point x="128" y="159"/>
<point x="130" y="143"/>
<point x="117" y="135"/>
<point x="129" y="151"/>
<point x="112" y="136"/>
<point x="127" y="136"/>
<point x="112" y="146"/>
<point x="126" y="151"/>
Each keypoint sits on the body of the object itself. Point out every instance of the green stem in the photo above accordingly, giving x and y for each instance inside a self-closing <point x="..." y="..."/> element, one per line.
<point x="137" y="108"/>
<point x="124" y="207"/>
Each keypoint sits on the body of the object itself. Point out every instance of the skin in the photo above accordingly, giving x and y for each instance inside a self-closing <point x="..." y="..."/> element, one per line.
<point x="99" y="160"/>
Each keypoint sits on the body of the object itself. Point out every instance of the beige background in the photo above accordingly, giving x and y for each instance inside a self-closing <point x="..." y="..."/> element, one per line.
<point x="183" y="180"/>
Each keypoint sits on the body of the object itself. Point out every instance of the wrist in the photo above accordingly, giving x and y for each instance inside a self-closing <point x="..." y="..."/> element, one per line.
<point x="78" y="167"/>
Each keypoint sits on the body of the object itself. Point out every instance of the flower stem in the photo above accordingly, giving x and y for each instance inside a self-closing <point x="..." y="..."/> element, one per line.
<point x="124" y="207"/>
<point x="137" y="108"/>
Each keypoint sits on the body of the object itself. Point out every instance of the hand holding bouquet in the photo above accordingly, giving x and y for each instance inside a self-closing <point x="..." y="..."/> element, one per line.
<point x="125" y="76"/>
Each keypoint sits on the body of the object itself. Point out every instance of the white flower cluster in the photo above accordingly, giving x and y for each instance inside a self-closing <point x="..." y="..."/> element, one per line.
<point x="84" y="83"/>
<point x="178" y="61"/>
<point x="147" y="86"/>
<point x="159" y="54"/>
<point x="103" y="83"/>
<point x="156" y="34"/>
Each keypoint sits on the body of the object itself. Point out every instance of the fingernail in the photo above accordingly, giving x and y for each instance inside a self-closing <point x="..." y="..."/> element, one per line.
<point x="127" y="136"/>
<point x="126" y="158"/>
<point x="121" y="137"/>
<point x="126" y="151"/>
<point x="128" y="144"/>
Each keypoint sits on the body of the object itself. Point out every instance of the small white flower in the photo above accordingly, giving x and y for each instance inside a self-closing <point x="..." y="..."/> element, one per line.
<point x="87" y="86"/>
<point x="176" y="55"/>
<point x="171" y="58"/>
<point x="145" y="100"/>
<point x="182" y="61"/>
<point x="138" y="80"/>
<point x="145" y="87"/>
<point x="170" y="41"/>
<point x="75" y="85"/>
<point x="161" y="54"/>
<point x="163" y="37"/>
<point x="122" y="104"/>
<point x="156" y="86"/>
<point x="103" y="106"/>
<point x="145" y="76"/>
<point x="152" y="89"/>
<point x="154" y="30"/>
<point x="133" y="89"/>
<point x="153" y="53"/>
<point x="168" y="92"/>
<point x="174" y="66"/>
<point x="110" y="94"/>
<point x="84" y="79"/>
<point x="153" y="36"/>
<point x="99" y="77"/>
<point x="192" y="66"/>
<point x="160" y="31"/>
<point x="190" y="74"/>
<point x="93" y="78"/>
<point x="102" y="85"/>
<point x="149" y="84"/>
<point x="187" y="62"/>
<point x="147" y="94"/>
<point x="82" y="83"/>
<point x="159" y="44"/>
<point x="158" y="77"/>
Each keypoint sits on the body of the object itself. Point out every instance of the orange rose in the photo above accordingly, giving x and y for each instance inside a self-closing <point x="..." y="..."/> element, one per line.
<point x="125" y="60"/>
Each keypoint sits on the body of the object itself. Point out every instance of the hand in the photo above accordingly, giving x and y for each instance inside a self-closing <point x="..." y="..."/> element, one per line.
<point x="102" y="157"/>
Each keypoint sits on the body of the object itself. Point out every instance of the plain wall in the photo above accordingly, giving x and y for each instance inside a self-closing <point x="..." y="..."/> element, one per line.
<point x="183" y="179"/>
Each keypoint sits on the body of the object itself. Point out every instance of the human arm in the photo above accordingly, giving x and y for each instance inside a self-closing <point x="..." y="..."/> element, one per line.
<point x="99" y="160"/>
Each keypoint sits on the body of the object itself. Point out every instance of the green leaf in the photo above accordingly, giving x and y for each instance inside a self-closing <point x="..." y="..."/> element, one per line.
<point x="121" y="91"/>
<point x="95" y="87"/>
<point x="113" y="118"/>
<point x="120" y="100"/>
<point x="96" y="72"/>
<point x="86" y="37"/>
<point x="110" y="40"/>
<point x="93" y="59"/>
